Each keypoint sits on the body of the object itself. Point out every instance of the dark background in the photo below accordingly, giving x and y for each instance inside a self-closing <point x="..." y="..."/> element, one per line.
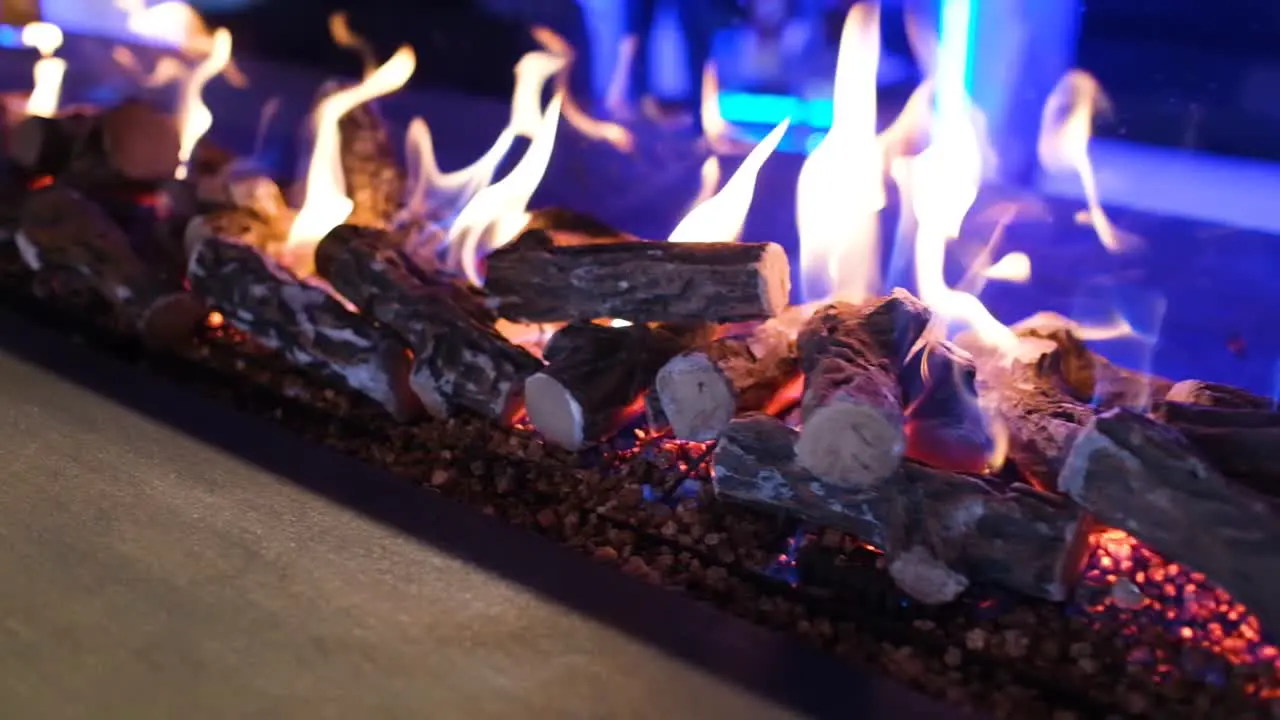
<point x="1184" y="73"/>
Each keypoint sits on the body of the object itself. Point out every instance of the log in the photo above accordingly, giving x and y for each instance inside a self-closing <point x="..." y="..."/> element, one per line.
<point x="1217" y="395"/>
<point x="64" y="232"/>
<point x="594" y="374"/>
<point x="132" y="142"/>
<point x="1084" y="374"/>
<point x="945" y="426"/>
<point x="1241" y="442"/>
<point x="537" y="279"/>
<point x="980" y="528"/>
<point x="1137" y="475"/>
<point x="306" y="325"/>
<point x="1040" y="420"/>
<point x="238" y="224"/>
<point x="851" y="355"/>
<point x="462" y="362"/>
<point x="700" y="391"/>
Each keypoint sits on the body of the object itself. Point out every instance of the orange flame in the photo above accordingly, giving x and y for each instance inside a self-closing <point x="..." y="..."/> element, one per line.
<point x="577" y="118"/>
<point x="347" y="39"/>
<point x="721" y="217"/>
<point x="48" y="72"/>
<point x="326" y="204"/>
<point x="1066" y="126"/>
<point x="840" y="191"/>
<point x="194" y="116"/>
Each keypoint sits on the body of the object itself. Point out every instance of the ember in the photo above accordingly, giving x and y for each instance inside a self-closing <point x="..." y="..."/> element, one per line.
<point x="899" y="478"/>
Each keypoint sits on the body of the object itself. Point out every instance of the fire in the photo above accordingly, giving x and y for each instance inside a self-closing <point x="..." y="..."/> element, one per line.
<point x="177" y="24"/>
<point x="194" y="116"/>
<point x="326" y="204"/>
<point x="721" y="217"/>
<point x="347" y="39"/>
<point x="497" y="213"/>
<point x="47" y="75"/>
<point x="1066" y="126"/>
<point x="442" y="196"/>
<point x="1141" y="583"/>
<point x="614" y="134"/>
<point x="840" y="191"/>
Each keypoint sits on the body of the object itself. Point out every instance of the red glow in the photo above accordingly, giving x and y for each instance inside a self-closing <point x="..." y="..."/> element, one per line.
<point x="42" y="181"/>
<point x="786" y="398"/>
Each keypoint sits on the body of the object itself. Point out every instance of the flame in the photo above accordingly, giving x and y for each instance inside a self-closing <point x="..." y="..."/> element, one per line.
<point x="577" y="118"/>
<point x="1014" y="267"/>
<point x="326" y="204"/>
<point x="47" y="75"/>
<point x="942" y="183"/>
<point x="840" y="191"/>
<point x="721" y="217"/>
<point x="532" y="73"/>
<point x="194" y="116"/>
<point x="347" y="39"/>
<point x="175" y="23"/>
<point x="443" y="196"/>
<point x="1066" y="126"/>
<point x="497" y="213"/>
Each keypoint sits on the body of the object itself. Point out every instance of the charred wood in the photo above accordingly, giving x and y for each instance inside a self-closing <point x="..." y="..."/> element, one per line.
<point x="853" y="432"/>
<point x="1142" y="477"/>
<point x="539" y="279"/>
<point x="700" y="391"/>
<point x="462" y="362"/>
<point x="132" y="142"/>
<point x="594" y="373"/>
<point x="1012" y="536"/>
<point x="64" y="233"/>
<point x="945" y="426"/>
<point x="305" y="324"/>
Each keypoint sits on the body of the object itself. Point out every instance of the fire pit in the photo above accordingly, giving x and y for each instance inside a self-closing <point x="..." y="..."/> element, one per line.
<point x="996" y="514"/>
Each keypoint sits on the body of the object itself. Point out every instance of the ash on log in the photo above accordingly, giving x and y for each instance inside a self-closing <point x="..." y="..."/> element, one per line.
<point x="1142" y="477"/>
<point x="64" y="233"/>
<point x="594" y="373"/>
<point x="945" y="425"/>
<point x="461" y="359"/>
<point x="700" y="391"/>
<point x="238" y="224"/>
<point x="304" y="323"/>
<point x="925" y="520"/>
<point x="853" y="433"/>
<point x="539" y="278"/>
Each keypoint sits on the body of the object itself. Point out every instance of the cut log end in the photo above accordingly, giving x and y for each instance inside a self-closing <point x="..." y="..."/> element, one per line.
<point x="851" y="445"/>
<point x="775" y="280"/>
<point x="172" y="319"/>
<point x="554" y="411"/>
<point x="697" y="399"/>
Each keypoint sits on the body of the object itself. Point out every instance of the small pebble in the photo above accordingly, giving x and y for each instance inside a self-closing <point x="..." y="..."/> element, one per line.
<point x="1126" y="595"/>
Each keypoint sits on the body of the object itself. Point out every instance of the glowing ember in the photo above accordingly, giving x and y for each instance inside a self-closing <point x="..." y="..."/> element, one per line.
<point x="840" y="191"/>
<point x="326" y="204"/>
<point x="194" y="116"/>
<point x="721" y="217"/>
<point x="47" y="75"/>
<point x="1174" y="597"/>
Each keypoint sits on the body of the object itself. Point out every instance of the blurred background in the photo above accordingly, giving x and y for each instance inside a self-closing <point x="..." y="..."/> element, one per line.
<point x="1182" y="73"/>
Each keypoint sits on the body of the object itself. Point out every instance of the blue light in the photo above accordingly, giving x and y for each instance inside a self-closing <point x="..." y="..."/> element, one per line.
<point x="743" y="108"/>
<point x="10" y="36"/>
